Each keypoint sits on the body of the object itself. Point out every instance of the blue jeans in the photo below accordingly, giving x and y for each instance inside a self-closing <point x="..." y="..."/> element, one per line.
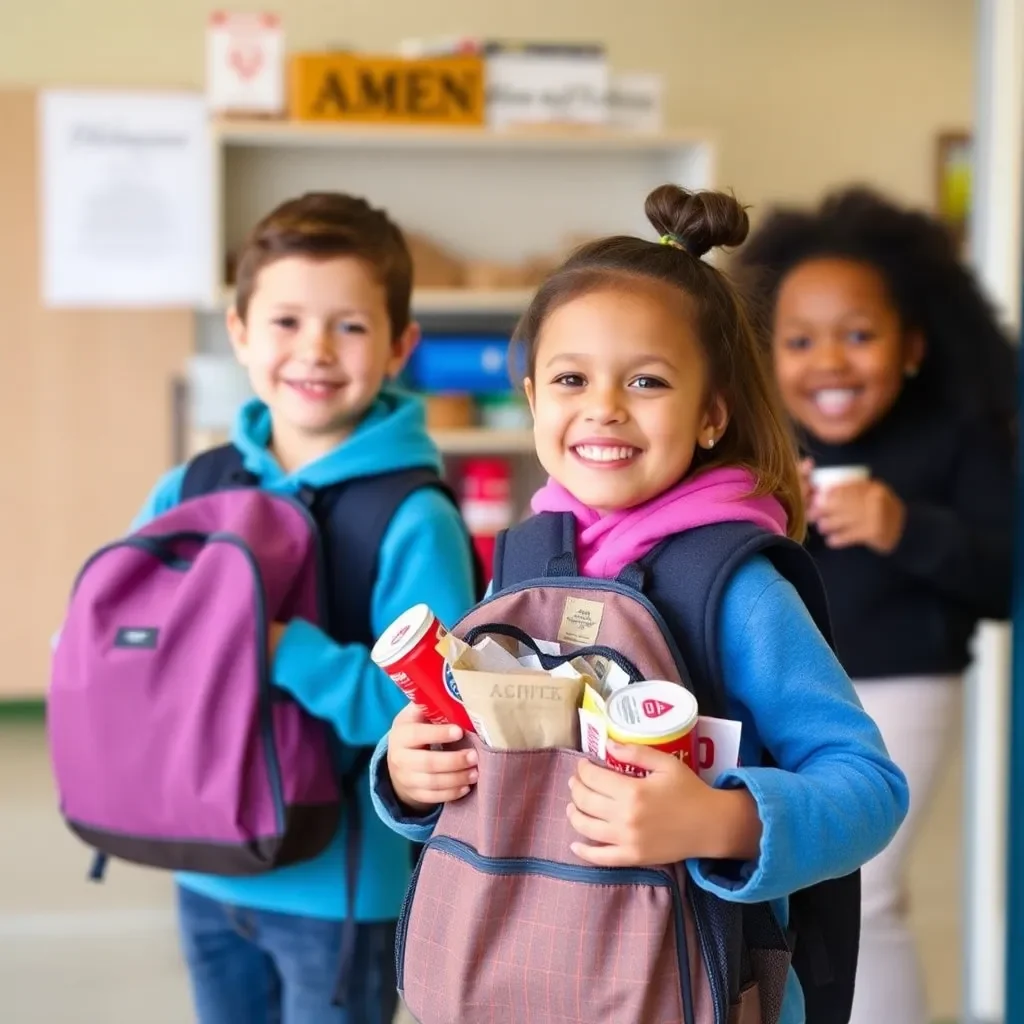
<point x="258" y="967"/>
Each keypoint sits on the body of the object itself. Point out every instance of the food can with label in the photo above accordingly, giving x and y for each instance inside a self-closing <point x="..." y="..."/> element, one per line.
<point x="407" y="652"/>
<point x="655" y="713"/>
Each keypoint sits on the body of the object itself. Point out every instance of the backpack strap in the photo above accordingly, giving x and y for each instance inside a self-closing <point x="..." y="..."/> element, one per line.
<point x="686" y="576"/>
<point x="370" y="502"/>
<point x="215" y="470"/>
<point x="543" y="545"/>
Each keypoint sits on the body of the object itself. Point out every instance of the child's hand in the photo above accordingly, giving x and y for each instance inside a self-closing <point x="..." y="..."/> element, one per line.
<point x="669" y="816"/>
<point x="865" y="512"/>
<point x="423" y="778"/>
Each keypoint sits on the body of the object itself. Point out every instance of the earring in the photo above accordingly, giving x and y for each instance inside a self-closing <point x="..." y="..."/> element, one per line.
<point x="711" y="443"/>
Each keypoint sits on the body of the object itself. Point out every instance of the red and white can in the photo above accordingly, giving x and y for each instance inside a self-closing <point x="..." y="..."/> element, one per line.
<point x="407" y="652"/>
<point x="656" y="714"/>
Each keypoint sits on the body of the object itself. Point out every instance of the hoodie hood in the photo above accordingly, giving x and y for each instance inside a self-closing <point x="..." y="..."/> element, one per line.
<point x="606" y="544"/>
<point x="391" y="436"/>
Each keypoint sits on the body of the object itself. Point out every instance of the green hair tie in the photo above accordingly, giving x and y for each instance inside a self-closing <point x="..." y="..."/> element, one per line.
<point x="672" y="240"/>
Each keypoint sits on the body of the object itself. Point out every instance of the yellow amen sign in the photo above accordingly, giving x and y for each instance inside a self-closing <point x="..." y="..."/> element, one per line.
<point x="387" y="90"/>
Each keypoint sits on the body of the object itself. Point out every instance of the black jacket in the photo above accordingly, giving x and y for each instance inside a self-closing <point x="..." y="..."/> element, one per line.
<point x="913" y="612"/>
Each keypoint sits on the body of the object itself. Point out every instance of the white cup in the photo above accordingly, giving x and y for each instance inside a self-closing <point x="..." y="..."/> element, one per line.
<point x="824" y="478"/>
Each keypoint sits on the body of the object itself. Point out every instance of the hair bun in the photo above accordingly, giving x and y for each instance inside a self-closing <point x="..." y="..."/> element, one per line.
<point x="699" y="221"/>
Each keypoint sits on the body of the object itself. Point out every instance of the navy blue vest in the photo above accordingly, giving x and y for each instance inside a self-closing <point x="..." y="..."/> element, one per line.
<point x="684" y="578"/>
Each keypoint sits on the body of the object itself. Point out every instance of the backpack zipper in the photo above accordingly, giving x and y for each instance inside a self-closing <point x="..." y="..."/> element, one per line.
<point x="589" y="583"/>
<point x="549" y="661"/>
<point x="586" y="875"/>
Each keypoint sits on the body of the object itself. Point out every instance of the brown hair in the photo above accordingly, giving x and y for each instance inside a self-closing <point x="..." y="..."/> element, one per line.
<point x="323" y="225"/>
<point x="690" y="224"/>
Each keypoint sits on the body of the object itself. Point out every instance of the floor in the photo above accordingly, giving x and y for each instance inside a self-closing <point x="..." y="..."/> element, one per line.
<point x="76" y="953"/>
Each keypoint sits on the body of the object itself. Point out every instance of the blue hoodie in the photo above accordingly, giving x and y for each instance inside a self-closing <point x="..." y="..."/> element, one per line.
<point x="836" y="799"/>
<point x="424" y="558"/>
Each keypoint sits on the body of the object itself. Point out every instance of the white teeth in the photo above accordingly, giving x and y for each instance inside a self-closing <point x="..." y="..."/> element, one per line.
<point x="603" y="453"/>
<point x="835" y="401"/>
<point x="317" y="387"/>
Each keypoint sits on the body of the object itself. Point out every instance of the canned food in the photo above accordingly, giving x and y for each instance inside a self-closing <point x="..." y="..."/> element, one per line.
<point x="407" y="652"/>
<point x="655" y="713"/>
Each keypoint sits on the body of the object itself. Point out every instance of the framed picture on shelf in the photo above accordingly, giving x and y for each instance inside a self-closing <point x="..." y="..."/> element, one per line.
<point x="953" y="183"/>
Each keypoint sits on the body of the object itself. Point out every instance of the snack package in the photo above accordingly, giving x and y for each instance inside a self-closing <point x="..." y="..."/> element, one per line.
<point x="513" y="706"/>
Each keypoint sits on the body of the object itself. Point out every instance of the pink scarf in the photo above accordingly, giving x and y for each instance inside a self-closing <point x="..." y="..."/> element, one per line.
<point x="605" y="544"/>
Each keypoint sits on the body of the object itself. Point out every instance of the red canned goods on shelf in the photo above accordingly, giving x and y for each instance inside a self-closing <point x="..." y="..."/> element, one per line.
<point x="407" y="652"/>
<point x="486" y="503"/>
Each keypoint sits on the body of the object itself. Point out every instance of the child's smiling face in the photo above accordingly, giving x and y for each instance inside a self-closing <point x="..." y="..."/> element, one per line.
<point x="318" y="346"/>
<point x="841" y="351"/>
<point x="619" y="394"/>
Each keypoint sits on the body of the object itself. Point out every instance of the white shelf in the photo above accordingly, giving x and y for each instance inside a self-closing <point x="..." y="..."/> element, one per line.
<point x="280" y="133"/>
<point x="493" y="301"/>
<point x="471" y="300"/>
<point x="495" y="196"/>
<point x="483" y="441"/>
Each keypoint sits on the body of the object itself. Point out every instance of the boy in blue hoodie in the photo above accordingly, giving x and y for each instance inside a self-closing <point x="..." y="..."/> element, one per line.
<point x="321" y="321"/>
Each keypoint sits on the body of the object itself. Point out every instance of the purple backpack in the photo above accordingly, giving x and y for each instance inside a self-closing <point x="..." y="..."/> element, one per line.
<point x="170" y="745"/>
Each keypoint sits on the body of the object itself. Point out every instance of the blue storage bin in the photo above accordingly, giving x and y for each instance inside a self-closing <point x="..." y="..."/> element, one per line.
<point x="470" y="364"/>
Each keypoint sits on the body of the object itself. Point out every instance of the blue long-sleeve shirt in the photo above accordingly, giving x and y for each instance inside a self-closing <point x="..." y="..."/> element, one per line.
<point x="834" y="801"/>
<point x="424" y="557"/>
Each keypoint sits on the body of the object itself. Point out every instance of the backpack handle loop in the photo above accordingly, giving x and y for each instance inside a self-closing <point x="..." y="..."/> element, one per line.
<point x="633" y="576"/>
<point x="562" y="565"/>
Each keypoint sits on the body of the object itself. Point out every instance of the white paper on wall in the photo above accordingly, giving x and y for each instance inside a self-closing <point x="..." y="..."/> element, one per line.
<point x="127" y="199"/>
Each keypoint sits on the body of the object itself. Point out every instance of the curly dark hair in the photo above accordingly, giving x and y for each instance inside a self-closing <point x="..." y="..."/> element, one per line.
<point x="970" y="367"/>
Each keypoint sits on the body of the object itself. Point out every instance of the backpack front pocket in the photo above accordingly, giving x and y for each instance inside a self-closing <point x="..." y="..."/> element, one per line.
<point x="511" y="939"/>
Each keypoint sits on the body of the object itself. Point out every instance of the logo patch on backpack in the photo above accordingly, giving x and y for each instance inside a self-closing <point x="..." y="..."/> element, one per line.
<point x="137" y="637"/>
<point x="581" y="622"/>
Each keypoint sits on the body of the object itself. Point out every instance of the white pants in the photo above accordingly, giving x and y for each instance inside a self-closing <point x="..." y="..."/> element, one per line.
<point x="916" y="717"/>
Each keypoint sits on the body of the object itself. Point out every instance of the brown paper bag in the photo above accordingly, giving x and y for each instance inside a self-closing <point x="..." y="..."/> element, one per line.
<point x="521" y="710"/>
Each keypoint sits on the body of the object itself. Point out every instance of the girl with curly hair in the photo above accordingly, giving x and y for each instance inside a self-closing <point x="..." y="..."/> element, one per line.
<point x="903" y="391"/>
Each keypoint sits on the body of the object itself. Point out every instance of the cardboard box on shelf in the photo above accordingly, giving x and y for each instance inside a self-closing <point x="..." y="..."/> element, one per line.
<point x="453" y="411"/>
<point x="433" y="265"/>
<point x="386" y="90"/>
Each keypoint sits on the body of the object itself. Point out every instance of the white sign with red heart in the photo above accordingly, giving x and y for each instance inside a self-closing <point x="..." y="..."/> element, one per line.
<point x="245" y="63"/>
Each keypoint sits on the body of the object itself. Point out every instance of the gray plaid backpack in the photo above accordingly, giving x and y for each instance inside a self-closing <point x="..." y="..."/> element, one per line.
<point x="504" y="925"/>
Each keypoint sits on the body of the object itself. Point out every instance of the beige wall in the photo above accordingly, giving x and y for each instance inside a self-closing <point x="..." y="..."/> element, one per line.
<point x="804" y="94"/>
